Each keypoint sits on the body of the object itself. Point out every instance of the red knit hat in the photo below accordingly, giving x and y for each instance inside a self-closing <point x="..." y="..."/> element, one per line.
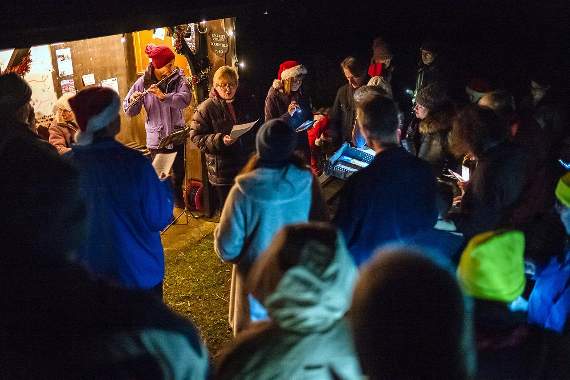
<point x="290" y="69"/>
<point x="159" y="55"/>
<point x="94" y="108"/>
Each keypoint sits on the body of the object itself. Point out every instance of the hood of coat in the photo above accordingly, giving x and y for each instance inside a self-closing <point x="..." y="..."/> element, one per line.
<point x="437" y="122"/>
<point x="316" y="292"/>
<point x="275" y="185"/>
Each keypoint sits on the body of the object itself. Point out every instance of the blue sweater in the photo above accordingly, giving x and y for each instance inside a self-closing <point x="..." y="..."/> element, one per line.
<point x="127" y="207"/>
<point x="390" y="200"/>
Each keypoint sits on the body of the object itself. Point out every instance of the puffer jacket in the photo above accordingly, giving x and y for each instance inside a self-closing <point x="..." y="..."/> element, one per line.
<point x="211" y="121"/>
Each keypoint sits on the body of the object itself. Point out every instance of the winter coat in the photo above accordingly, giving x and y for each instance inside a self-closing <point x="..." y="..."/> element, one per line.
<point x="127" y="207"/>
<point x="434" y="146"/>
<point x="493" y="191"/>
<point x="538" y="193"/>
<point x="162" y="117"/>
<point x="507" y="348"/>
<point x="64" y="324"/>
<point x="308" y="336"/>
<point x="342" y="115"/>
<point x="549" y="302"/>
<point x="391" y="199"/>
<point x="211" y="121"/>
<point x="552" y="116"/>
<point x="258" y="205"/>
<point x="62" y="135"/>
<point x="276" y="106"/>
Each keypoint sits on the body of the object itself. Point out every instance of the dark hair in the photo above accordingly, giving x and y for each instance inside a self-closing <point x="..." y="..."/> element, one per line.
<point x="380" y="115"/>
<point x="297" y="235"/>
<point x="409" y="319"/>
<point x="354" y="66"/>
<point x="475" y="128"/>
<point x="253" y="163"/>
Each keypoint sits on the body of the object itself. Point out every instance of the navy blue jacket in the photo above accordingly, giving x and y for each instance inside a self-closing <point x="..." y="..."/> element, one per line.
<point x="390" y="200"/>
<point x="127" y="207"/>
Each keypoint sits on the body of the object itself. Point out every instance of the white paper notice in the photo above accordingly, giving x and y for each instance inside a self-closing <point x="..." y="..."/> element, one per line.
<point x="88" y="79"/>
<point x="64" y="63"/>
<point x="112" y="83"/>
<point x="162" y="164"/>
<point x="240" y="129"/>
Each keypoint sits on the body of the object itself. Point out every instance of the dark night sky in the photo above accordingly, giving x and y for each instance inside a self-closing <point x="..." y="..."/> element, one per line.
<point x="501" y="40"/>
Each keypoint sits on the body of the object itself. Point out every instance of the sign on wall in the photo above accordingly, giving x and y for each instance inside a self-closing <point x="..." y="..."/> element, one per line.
<point x="219" y="42"/>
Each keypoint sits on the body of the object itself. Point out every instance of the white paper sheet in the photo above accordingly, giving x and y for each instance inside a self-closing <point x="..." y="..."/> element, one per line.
<point x="112" y="83"/>
<point x="239" y="129"/>
<point x="162" y="164"/>
<point x="88" y="79"/>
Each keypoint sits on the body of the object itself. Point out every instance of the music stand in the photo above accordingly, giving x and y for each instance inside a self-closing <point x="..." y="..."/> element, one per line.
<point x="177" y="138"/>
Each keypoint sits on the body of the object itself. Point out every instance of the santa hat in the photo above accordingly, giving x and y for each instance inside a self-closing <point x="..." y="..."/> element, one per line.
<point x="94" y="108"/>
<point x="290" y="69"/>
<point x="159" y="55"/>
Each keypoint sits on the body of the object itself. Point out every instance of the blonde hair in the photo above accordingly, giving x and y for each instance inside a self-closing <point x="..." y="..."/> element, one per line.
<point x="62" y="104"/>
<point x="225" y="72"/>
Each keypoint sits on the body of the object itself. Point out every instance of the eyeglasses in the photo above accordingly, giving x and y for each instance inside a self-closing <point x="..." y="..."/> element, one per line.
<point x="227" y="85"/>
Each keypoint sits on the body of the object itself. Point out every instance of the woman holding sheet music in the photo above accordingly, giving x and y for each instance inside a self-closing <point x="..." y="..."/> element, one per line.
<point x="211" y="128"/>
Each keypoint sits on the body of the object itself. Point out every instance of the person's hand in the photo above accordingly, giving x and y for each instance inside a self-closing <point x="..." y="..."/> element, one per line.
<point x="134" y="96"/>
<point x="228" y="140"/>
<point x="153" y="89"/>
<point x="292" y="107"/>
<point x="462" y="186"/>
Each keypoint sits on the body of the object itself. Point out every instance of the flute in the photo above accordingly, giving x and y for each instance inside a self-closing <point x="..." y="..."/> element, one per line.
<point x="158" y="84"/>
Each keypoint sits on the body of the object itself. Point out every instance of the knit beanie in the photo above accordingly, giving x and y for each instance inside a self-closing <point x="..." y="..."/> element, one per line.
<point x="492" y="266"/>
<point x="94" y="108"/>
<point x="275" y="143"/>
<point x="563" y="190"/>
<point x="432" y="96"/>
<point x="160" y="55"/>
<point x="14" y="93"/>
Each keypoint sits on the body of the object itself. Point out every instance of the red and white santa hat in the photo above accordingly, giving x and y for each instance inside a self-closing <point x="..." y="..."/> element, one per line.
<point x="94" y="108"/>
<point x="290" y="69"/>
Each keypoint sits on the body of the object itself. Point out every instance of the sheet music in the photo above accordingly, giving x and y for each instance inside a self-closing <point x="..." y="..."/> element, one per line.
<point x="162" y="164"/>
<point x="239" y="129"/>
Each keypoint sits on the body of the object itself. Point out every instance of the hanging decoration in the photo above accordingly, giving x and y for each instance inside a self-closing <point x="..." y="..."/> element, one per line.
<point x="20" y="62"/>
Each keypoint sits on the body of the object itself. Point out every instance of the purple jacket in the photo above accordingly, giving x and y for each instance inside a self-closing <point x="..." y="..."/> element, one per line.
<point x="163" y="117"/>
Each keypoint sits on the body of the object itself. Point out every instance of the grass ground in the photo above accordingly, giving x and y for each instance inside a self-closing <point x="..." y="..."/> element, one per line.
<point x="196" y="284"/>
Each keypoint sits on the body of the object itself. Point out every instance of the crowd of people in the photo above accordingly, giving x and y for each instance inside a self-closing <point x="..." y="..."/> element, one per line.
<point x="420" y="273"/>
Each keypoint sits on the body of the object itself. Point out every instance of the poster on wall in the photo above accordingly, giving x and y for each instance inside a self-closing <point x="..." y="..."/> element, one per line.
<point x="111" y="83"/>
<point x="68" y="85"/>
<point x="88" y="79"/>
<point x="64" y="63"/>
